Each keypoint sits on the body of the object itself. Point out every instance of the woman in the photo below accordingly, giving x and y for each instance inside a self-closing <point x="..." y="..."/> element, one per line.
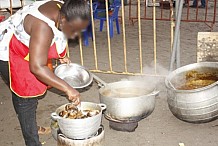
<point x="29" y="38"/>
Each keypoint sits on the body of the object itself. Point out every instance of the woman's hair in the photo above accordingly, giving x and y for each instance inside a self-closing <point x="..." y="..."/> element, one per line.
<point x="73" y="9"/>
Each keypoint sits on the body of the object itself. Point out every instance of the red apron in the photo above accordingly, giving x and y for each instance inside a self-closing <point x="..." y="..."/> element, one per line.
<point x="22" y="82"/>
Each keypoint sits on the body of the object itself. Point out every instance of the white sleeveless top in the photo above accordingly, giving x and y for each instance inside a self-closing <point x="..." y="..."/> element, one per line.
<point x="14" y="25"/>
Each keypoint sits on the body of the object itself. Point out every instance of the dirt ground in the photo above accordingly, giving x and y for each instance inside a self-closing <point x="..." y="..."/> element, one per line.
<point x="161" y="128"/>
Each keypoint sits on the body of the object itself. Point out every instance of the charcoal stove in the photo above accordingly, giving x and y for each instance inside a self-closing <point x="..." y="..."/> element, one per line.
<point x="122" y="125"/>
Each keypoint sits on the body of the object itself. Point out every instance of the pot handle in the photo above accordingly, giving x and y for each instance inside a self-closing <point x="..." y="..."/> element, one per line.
<point x="103" y="106"/>
<point x="169" y="83"/>
<point x="155" y="93"/>
<point x="100" y="82"/>
<point x="62" y="135"/>
<point x="54" y="116"/>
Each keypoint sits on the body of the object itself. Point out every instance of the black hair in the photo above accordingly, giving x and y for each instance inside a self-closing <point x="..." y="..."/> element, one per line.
<point x="73" y="9"/>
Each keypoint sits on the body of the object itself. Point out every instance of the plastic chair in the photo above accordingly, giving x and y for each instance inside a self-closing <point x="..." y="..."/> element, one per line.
<point x="112" y="17"/>
<point x="88" y="31"/>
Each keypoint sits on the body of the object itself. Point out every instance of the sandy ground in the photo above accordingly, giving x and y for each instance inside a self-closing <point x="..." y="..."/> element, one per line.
<point x="161" y="128"/>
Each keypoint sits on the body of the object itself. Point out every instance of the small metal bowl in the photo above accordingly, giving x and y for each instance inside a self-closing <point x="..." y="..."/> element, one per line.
<point x="74" y="74"/>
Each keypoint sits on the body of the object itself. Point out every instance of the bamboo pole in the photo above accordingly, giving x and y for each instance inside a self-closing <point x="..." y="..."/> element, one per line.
<point x="155" y="37"/>
<point x="140" y="37"/>
<point x="81" y="50"/>
<point x="93" y="34"/>
<point x="108" y="36"/>
<point x="124" y="36"/>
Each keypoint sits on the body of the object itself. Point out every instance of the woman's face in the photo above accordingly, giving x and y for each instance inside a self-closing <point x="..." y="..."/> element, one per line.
<point x="72" y="28"/>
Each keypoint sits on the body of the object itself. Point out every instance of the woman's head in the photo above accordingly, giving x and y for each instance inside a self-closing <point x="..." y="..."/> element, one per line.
<point x="75" y="17"/>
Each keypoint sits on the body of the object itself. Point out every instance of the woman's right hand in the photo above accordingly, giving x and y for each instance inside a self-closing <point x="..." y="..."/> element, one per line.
<point x="73" y="95"/>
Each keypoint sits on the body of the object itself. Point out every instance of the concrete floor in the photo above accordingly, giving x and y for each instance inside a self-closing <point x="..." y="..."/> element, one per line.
<point x="161" y="128"/>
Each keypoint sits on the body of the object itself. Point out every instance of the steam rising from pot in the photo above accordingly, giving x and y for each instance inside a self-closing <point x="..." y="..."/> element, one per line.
<point x="150" y="80"/>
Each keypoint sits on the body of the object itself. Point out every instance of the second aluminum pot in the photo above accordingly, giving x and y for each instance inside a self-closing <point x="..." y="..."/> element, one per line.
<point x="128" y="100"/>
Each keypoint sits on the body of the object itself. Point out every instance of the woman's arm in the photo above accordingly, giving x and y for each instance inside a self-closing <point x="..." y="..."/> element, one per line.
<point x="40" y="41"/>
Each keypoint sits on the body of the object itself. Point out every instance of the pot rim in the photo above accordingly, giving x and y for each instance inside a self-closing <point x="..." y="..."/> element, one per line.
<point x="55" y="116"/>
<point x="191" y="66"/>
<point x="152" y="92"/>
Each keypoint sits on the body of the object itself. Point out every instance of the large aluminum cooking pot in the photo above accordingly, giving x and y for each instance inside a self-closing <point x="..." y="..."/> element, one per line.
<point x="198" y="105"/>
<point x="74" y="74"/>
<point x="80" y="128"/>
<point x="128" y="100"/>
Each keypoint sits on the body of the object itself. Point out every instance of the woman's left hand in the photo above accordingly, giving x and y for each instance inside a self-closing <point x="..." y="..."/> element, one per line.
<point x="65" y="60"/>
